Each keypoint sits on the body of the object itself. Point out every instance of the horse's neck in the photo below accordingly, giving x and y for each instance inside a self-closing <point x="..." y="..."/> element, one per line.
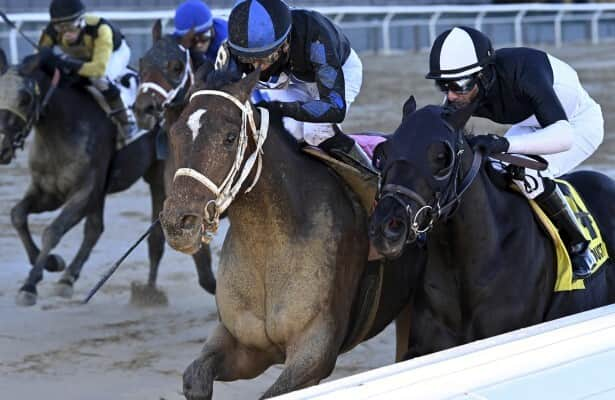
<point x="280" y="192"/>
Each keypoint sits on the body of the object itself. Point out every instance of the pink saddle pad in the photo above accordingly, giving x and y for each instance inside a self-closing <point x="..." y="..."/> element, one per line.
<point x="367" y="142"/>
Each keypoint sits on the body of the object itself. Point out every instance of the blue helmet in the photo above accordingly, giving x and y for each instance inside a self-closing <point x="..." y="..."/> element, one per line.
<point x="192" y="14"/>
<point x="258" y="27"/>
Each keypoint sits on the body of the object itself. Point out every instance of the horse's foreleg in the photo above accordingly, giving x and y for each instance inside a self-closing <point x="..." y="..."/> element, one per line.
<point x="93" y="229"/>
<point x="402" y="333"/>
<point x="223" y="358"/>
<point x="73" y="211"/>
<point x="202" y="262"/>
<point x="309" y="359"/>
<point x="33" y="202"/>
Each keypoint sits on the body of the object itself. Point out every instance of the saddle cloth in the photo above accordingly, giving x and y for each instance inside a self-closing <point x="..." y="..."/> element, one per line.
<point x="565" y="281"/>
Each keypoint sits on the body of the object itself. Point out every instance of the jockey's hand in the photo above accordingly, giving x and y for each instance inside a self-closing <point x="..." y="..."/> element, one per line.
<point x="489" y="144"/>
<point x="68" y="65"/>
<point x="272" y="106"/>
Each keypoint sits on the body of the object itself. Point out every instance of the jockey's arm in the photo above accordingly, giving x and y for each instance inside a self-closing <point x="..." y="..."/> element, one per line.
<point x="329" y="78"/>
<point x="555" y="134"/>
<point x="101" y="53"/>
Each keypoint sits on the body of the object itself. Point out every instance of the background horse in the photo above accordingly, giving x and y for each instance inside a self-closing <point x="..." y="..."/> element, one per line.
<point x="295" y="251"/>
<point x="73" y="165"/>
<point x="491" y="268"/>
<point x="165" y="76"/>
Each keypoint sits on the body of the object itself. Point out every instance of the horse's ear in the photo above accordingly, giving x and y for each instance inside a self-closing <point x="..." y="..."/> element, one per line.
<point x="188" y="39"/>
<point x="4" y="65"/>
<point x="409" y="106"/>
<point x="29" y="64"/>
<point x="246" y="85"/>
<point x="157" y="31"/>
<point x="459" y="117"/>
<point x="201" y="74"/>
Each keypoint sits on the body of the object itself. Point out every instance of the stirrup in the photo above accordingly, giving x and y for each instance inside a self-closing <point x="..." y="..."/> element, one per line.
<point x="582" y="261"/>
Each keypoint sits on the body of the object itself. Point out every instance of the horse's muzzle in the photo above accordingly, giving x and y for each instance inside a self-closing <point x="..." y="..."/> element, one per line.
<point x="183" y="231"/>
<point x="7" y="152"/>
<point x="388" y="235"/>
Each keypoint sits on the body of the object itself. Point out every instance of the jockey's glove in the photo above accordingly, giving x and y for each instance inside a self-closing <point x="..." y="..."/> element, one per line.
<point x="489" y="144"/>
<point x="68" y="65"/>
<point x="273" y="106"/>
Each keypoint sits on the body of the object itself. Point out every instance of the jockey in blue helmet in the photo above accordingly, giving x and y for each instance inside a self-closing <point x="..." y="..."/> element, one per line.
<point x="209" y="32"/>
<point x="309" y="72"/>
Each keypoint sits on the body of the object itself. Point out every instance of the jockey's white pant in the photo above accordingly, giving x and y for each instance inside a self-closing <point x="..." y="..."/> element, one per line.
<point x="116" y="67"/>
<point x="297" y="90"/>
<point x="588" y="132"/>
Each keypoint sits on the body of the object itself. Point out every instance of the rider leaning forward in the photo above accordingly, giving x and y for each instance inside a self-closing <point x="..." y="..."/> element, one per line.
<point x="92" y="49"/>
<point x="551" y="115"/>
<point x="309" y="73"/>
<point x="193" y="18"/>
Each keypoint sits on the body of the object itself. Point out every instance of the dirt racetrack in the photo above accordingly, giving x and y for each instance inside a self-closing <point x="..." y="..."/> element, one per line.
<point x="110" y="349"/>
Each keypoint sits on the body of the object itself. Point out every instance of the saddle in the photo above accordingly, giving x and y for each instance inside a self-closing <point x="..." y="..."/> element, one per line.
<point x="564" y="282"/>
<point x="586" y="221"/>
<point x="128" y="84"/>
<point x="365" y="185"/>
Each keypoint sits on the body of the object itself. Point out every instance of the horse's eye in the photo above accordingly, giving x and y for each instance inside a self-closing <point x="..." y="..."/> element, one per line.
<point x="442" y="161"/>
<point x="230" y="138"/>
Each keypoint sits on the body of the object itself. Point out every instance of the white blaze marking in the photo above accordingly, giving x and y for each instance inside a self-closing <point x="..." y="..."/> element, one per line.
<point x="194" y="123"/>
<point x="1" y="138"/>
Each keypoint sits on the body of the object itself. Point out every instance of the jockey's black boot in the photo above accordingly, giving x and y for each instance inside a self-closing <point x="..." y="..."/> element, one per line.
<point x="345" y="149"/>
<point x="554" y="204"/>
<point x="121" y="115"/>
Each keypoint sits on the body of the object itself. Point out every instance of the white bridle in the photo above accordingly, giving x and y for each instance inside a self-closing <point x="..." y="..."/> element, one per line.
<point x="169" y="95"/>
<point x="228" y="189"/>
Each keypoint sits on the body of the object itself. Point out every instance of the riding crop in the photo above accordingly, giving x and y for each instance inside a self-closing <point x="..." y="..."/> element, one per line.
<point x="115" y="266"/>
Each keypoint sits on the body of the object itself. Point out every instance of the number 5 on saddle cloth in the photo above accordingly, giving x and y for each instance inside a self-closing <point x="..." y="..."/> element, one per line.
<point x="565" y="280"/>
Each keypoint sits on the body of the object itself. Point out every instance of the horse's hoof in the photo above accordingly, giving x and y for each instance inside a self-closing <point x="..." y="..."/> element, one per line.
<point x="54" y="263"/>
<point x="209" y="285"/>
<point x="63" y="288"/>
<point x="26" y="296"/>
<point x="147" y="296"/>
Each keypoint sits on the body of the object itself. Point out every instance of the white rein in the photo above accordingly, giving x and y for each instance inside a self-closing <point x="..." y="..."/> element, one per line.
<point x="228" y="189"/>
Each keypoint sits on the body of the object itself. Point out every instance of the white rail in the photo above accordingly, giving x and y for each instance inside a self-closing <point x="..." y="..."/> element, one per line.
<point x="569" y="358"/>
<point x="387" y="17"/>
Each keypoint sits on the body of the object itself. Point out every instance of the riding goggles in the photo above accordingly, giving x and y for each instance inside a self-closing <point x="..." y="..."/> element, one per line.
<point x="262" y="60"/>
<point x="69" y="26"/>
<point x="459" y="86"/>
<point x="203" y="37"/>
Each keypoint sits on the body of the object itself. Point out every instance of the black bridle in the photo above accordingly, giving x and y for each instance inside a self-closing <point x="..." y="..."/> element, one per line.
<point x="34" y="111"/>
<point x="445" y="201"/>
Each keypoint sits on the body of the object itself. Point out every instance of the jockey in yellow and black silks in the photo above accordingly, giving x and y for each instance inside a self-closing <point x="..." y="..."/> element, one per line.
<point x="92" y="49"/>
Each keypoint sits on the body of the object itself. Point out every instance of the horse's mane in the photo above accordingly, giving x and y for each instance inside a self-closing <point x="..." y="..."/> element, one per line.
<point x="217" y="79"/>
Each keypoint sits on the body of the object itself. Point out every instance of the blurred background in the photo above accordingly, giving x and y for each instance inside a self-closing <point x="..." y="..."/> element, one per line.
<point x="375" y="26"/>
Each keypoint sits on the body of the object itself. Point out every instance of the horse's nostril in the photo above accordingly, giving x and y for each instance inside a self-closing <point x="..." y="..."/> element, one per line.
<point x="393" y="229"/>
<point x="189" y="222"/>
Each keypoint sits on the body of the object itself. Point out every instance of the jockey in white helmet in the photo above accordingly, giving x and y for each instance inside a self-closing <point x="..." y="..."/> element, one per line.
<point x="551" y="115"/>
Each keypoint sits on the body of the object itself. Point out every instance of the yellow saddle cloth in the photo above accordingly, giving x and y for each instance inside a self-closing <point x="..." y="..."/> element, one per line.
<point x="565" y="281"/>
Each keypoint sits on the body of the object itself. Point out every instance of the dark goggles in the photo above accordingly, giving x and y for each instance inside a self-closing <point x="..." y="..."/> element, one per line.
<point x="69" y="26"/>
<point x="269" y="59"/>
<point x="459" y="86"/>
<point x="203" y="37"/>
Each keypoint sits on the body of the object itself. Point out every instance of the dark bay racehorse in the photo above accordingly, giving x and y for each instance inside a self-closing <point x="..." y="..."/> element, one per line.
<point x="165" y="75"/>
<point x="491" y="267"/>
<point x="295" y="251"/>
<point x="73" y="164"/>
